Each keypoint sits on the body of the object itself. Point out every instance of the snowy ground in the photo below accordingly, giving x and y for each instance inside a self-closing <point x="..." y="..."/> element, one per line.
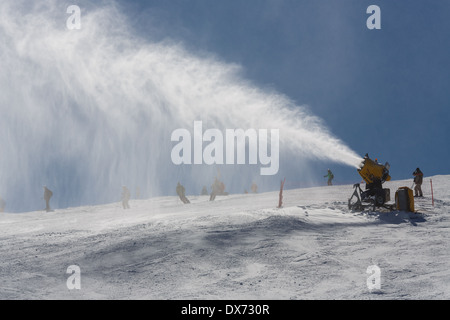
<point x="237" y="247"/>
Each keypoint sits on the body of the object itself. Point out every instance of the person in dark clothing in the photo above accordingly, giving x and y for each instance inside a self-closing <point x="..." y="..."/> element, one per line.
<point x="47" y="195"/>
<point x="418" y="179"/>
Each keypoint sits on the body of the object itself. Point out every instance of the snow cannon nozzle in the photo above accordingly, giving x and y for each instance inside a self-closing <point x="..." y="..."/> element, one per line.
<point x="371" y="171"/>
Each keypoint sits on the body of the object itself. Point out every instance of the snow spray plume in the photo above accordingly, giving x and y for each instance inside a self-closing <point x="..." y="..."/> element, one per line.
<point x="87" y="111"/>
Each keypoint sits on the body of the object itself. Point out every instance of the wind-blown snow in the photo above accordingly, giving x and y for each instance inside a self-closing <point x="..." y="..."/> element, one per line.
<point x="237" y="247"/>
<point x="87" y="111"/>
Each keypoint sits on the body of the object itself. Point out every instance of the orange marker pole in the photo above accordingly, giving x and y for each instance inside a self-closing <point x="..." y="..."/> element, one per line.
<point x="432" y="197"/>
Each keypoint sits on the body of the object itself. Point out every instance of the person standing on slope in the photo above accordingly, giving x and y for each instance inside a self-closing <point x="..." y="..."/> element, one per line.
<point x="330" y="177"/>
<point x="204" y="191"/>
<point x="125" y="197"/>
<point x="181" y="191"/>
<point x="418" y="179"/>
<point x="47" y="195"/>
<point x="2" y="205"/>
<point x="216" y="189"/>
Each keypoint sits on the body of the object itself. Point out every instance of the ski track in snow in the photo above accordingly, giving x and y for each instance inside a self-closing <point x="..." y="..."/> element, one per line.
<point x="237" y="247"/>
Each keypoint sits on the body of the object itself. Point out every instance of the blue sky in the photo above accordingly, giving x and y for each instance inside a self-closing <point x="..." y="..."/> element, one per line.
<point x="385" y="92"/>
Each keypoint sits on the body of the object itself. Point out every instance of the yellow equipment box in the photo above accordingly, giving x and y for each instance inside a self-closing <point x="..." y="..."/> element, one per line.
<point x="404" y="199"/>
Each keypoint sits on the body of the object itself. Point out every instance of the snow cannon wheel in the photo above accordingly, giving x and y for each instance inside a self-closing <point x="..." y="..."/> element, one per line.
<point x="379" y="200"/>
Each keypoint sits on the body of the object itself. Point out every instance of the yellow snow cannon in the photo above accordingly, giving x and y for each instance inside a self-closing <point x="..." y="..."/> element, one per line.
<point x="374" y="174"/>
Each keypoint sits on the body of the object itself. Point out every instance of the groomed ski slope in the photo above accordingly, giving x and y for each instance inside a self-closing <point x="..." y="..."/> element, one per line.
<point x="237" y="247"/>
